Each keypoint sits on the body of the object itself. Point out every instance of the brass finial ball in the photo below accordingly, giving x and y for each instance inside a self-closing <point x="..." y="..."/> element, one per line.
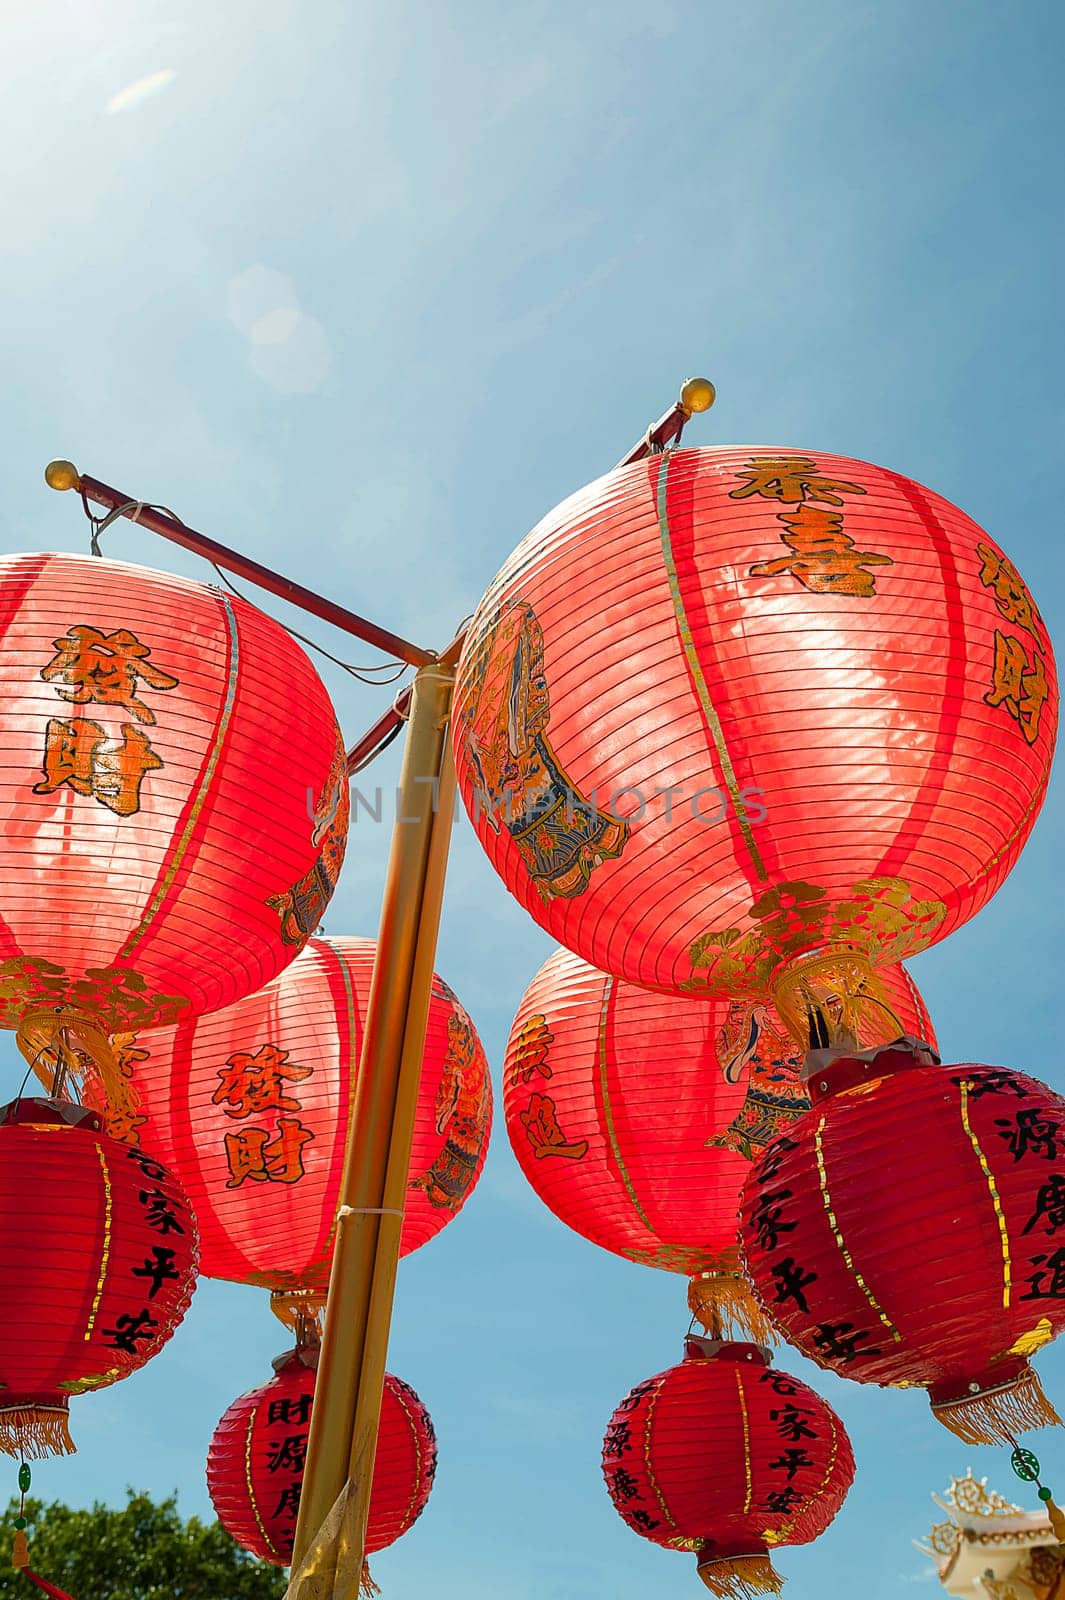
<point x="697" y="394"/>
<point x="62" y="475"/>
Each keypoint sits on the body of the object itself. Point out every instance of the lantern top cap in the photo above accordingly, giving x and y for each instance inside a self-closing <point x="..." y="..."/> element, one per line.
<point x="696" y="394"/>
<point x="697" y="1348"/>
<point x="60" y="474"/>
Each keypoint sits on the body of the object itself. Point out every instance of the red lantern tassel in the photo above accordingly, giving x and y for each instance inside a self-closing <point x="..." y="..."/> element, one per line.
<point x="740" y="1577"/>
<point x="32" y="1433"/>
<point x="45" y="1586"/>
<point x="994" y="1415"/>
<point x="366" y="1584"/>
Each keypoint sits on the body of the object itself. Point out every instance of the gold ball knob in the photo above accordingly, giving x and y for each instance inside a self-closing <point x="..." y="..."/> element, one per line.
<point x="697" y="394"/>
<point x="62" y="475"/>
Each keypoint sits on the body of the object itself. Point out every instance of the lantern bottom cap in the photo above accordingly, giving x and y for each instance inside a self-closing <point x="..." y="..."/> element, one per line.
<point x="993" y="1413"/>
<point x="34" y="1430"/>
<point x="740" y="1577"/>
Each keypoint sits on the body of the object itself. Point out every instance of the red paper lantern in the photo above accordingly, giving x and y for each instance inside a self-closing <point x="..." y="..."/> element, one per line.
<point x="728" y="1458"/>
<point x="98" y="1257"/>
<point x="251" y="1106"/>
<point x="903" y="1233"/>
<point x="727" y="710"/>
<point x="173" y="800"/>
<point x="629" y="1115"/>
<point x="255" y="1463"/>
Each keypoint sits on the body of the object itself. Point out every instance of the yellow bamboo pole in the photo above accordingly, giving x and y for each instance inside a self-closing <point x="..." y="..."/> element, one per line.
<point x="373" y="1187"/>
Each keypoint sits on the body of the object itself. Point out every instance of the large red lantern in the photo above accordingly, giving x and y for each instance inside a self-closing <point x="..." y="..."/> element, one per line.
<point x="173" y="800"/>
<point x="98" y="1262"/>
<point x="250" y="1105"/>
<point x="255" y="1464"/>
<point x="728" y="1458"/>
<point x="744" y="721"/>
<point x="904" y="1233"/>
<point x="634" y="1116"/>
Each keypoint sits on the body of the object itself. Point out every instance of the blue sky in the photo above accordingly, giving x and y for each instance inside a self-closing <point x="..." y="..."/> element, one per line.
<point x="365" y="289"/>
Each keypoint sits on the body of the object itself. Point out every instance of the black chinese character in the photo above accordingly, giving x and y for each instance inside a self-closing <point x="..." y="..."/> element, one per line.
<point x="992" y="1083"/>
<point x="766" y="1217"/>
<point x="781" y="1501"/>
<point x="289" y="1503"/>
<point x="779" y="1382"/>
<point x="1053" y="1267"/>
<point x="633" y="1398"/>
<point x="791" y="1460"/>
<point x="1030" y="1130"/>
<point x="643" y="1520"/>
<point x="623" y="1485"/>
<point x="148" y="1165"/>
<point x="791" y="1281"/>
<point x="160" y="1268"/>
<point x="790" y="1424"/>
<point x="839" y="1342"/>
<point x="1049" y="1204"/>
<point x="773" y="1159"/>
<point x="129" y="1328"/>
<point x="618" y="1437"/>
<point x="290" y="1453"/>
<point x="296" y="1411"/>
<point x="161" y="1215"/>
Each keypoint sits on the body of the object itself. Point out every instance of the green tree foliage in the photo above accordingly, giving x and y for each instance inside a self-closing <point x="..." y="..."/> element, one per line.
<point x="143" y="1551"/>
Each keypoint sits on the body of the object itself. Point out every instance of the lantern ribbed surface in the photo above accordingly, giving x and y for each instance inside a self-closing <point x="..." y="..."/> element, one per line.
<point x="634" y="1115"/>
<point x="727" y="1458"/>
<point x="727" y="707"/>
<point x="257" y="1453"/>
<point x="251" y="1106"/>
<point x="98" y="1256"/>
<point x="906" y="1232"/>
<point x="173" y="796"/>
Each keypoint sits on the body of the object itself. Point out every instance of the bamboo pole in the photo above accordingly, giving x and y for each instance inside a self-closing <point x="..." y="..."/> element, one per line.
<point x="373" y="1188"/>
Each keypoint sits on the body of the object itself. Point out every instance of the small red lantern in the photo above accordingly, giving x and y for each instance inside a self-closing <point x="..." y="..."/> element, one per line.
<point x="256" y="1459"/>
<point x="746" y="721"/>
<point x="903" y="1232"/>
<point x="251" y="1105"/>
<point x="173" y="801"/>
<point x="725" y="1457"/>
<point x="98" y="1259"/>
<point x="629" y="1115"/>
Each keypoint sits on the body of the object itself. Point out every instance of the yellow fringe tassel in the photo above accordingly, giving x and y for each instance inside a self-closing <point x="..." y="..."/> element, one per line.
<point x="1057" y="1520"/>
<point x="994" y="1416"/>
<point x="740" y="1577"/>
<point x="367" y="1586"/>
<point x="35" y="1432"/>
<point x="20" y="1550"/>
<point x="724" y="1303"/>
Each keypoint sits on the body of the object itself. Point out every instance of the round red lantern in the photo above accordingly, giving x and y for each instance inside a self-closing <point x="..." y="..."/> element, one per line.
<point x="744" y="721"/>
<point x="98" y="1260"/>
<point x="173" y="800"/>
<point x="903" y="1232"/>
<point x="255" y="1463"/>
<point x="630" y="1116"/>
<point x="728" y="1458"/>
<point x="251" y="1104"/>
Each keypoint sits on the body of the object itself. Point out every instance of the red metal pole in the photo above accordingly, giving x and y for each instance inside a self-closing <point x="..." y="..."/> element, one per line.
<point x="697" y="394"/>
<point x="232" y="560"/>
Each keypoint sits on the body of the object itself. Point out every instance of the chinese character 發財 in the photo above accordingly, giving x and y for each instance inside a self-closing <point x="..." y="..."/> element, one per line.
<point x="1011" y="597"/>
<point x="544" y="1134"/>
<point x="1020" y="687"/>
<point x="823" y="557"/>
<point x="791" y="479"/>
<point x="251" y="1153"/>
<point x="105" y="668"/>
<point x="110" y="770"/>
<point x="253" y="1083"/>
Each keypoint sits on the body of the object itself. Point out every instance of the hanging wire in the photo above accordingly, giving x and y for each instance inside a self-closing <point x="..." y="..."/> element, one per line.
<point x="387" y="673"/>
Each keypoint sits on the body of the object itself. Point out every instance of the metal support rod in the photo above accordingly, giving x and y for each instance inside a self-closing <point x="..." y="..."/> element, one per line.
<point x="697" y="394"/>
<point x="351" y="1365"/>
<point x="371" y="740"/>
<point x="58" y="476"/>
